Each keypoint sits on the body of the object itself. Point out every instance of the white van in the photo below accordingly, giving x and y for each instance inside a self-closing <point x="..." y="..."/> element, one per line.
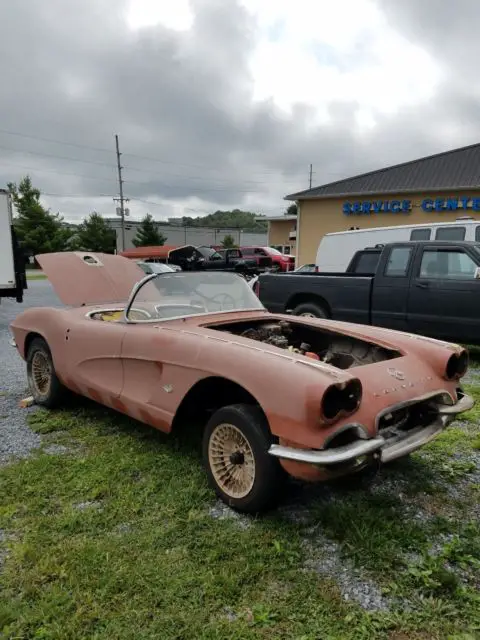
<point x="337" y="249"/>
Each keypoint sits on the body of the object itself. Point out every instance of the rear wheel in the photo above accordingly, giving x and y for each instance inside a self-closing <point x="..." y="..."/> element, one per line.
<point x="310" y="310"/>
<point x="235" y="453"/>
<point x="46" y="388"/>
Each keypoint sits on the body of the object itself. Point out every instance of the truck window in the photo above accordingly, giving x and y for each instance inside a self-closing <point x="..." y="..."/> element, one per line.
<point x="451" y="264"/>
<point x="367" y="262"/>
<point x="397" y="265"/>
<point x="420" y="234"/>
<point x="450" y="233"/>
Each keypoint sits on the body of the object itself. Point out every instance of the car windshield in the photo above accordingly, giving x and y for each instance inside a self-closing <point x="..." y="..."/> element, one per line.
<point x="179" y="294"/>
<point x="275" y="252"/>
<point x="159" y="267"/>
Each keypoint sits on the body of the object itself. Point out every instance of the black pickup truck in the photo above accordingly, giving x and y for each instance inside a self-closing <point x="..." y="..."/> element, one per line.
<point x="430" y="288"/>
<point x="191" y="258"/>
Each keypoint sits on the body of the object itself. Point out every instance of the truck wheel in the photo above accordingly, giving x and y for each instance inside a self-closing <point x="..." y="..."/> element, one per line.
<point x="46" y="388"/>
<point x="310" y="310"/>
<point x="235" y="454"/>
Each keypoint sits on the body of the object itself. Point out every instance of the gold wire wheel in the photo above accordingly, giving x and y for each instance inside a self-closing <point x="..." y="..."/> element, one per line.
<point x="231" y="460"/>
<point x="41" y="373"/>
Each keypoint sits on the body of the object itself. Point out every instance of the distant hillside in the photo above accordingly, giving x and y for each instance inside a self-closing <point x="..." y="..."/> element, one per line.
<point x="225" y="219"/>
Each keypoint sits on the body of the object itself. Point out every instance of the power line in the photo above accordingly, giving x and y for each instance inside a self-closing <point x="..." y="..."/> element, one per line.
<point x="131" y="155"/>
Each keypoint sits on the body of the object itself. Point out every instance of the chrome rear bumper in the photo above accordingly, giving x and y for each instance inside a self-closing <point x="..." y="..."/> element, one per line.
<point x="387" y="449"/>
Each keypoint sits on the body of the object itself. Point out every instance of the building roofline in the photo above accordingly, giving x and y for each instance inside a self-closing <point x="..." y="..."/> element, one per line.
<point x="302" y="195"/>
<point x="361" y="194"/>
<point x="276" y="218"/>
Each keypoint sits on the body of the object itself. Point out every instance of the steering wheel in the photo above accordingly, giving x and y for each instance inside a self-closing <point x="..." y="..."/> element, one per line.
<point x="226" y="299"/>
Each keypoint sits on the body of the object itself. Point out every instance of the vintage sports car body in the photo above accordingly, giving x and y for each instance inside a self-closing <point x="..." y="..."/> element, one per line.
<point x="316" y="398"/>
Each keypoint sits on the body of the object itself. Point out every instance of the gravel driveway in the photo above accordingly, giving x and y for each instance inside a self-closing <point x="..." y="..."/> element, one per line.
<point x="15" y="437"/>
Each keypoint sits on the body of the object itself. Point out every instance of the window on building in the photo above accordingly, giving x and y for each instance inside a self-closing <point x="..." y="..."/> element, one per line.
<point x="398" y="261"/>
<point x="420" y="234"/>
<point x="450" y="233"/>
<point x="453" y="265"/>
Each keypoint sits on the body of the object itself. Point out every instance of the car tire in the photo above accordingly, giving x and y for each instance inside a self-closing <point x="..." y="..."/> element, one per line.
<point x="46" y="388"/>
<point x="238" y="436"/>
<point x="310" y="310"/>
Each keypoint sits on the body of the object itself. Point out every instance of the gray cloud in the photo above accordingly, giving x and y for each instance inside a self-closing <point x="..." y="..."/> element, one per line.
<point x="77" y="74"/>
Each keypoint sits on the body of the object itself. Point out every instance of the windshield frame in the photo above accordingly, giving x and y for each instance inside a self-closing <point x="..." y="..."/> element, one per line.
<point x="152" y="276"/>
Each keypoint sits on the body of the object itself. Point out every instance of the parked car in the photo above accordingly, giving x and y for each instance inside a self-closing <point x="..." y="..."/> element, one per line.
<point x="157" y="267"/>
<point x="280" y="261"/>
<point x="316" y="398"/>
<point x="191" y="258"/>
<point x="430" y="288"/>
<point x="336" y="249"/>
<point x="307" y="268"/>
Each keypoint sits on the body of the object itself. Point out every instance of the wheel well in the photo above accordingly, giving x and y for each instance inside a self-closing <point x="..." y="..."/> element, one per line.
<point x="302" y="298"/>
<point x="29" y="339"/>
<point x="209" y="395"/>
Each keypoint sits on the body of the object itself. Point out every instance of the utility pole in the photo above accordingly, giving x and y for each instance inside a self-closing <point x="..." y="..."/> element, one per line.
<point x="121" y="199"/>
<point x="311" y="172"/>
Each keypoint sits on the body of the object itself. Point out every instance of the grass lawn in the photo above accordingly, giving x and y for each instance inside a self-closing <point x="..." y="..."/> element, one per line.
<point x="32" y="275"/>
<point x="110" y="532"/>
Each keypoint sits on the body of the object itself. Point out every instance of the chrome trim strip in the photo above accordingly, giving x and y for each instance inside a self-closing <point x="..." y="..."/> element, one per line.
<point x="390" y="449"/>
<point x="335" y="455"/>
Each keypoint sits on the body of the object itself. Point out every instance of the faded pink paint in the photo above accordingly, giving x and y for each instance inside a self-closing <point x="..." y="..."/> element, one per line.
<point x="77" y="282"/>
<point x="145" y="370"/>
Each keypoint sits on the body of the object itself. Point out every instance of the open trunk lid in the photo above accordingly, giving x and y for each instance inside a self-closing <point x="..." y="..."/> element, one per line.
<point x="83" y="278"/>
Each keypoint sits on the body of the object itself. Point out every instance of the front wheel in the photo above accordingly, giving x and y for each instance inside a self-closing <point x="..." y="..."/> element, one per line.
<point x="238" y="465"/>
<point x="46" y="388"/>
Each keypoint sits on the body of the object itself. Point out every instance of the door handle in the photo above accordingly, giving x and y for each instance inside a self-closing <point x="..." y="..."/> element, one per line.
<point x="422" y="285"/>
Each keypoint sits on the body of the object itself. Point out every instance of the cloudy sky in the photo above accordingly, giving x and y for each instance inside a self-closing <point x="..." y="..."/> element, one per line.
<point x="225" y="103"/>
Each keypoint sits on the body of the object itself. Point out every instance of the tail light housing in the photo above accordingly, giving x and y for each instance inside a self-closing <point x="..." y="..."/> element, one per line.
<point x="457" y="365"/>
<point x="341" y="399"/>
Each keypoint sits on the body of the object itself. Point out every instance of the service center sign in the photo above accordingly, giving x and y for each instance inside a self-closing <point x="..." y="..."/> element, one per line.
<point x="405" y="206"/>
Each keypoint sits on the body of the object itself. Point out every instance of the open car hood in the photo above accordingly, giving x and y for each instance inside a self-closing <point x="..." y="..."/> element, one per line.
<point x="83" y="278"/>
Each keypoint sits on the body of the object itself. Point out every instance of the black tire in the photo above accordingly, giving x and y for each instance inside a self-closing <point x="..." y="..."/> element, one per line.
<point x="259" y="493"/>
<point x="49" y="391"/>
<point x="310" y="309"/>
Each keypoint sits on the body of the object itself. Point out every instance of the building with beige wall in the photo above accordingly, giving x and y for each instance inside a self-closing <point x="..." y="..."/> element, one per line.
<point x="441" y="187"/>
<point x="282" y="233"/>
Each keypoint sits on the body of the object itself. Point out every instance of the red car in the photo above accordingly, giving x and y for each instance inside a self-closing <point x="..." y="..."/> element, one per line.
<point x="279" y="260"/>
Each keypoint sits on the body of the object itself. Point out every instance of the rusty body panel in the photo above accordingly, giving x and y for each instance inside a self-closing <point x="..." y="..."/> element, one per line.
<point x="147" y="369"/>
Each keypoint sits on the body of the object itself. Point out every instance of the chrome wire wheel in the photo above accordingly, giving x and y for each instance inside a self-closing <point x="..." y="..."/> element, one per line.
<point x="41" y="373"/>
<point x="231" y="460"/>
<point x="307" y="314"/>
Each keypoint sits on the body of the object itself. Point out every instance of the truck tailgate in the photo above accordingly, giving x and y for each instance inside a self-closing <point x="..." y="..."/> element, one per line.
<point x="347" y="297"/>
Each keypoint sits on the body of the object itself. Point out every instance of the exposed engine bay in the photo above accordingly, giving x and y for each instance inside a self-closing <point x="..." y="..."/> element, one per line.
<point x="343" y="352"/>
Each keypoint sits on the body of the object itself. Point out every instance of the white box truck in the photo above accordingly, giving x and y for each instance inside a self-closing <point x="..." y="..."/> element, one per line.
<point x="13" y="279"/>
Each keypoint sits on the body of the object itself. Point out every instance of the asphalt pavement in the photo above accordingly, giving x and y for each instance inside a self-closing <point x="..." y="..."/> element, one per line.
<point x="16" y="439"/>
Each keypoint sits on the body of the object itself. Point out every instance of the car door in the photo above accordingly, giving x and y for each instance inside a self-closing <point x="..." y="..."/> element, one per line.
<point x="444" y="300"/>
<point x="93" y="356"/>
<point x="391" y="288"/>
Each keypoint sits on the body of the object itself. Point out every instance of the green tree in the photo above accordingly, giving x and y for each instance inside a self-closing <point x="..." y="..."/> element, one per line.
<point x="94" y="234"/>
<point x="148" y="235"/>
<point x="38" y="230"/>
<point x="229" y="242"/>
<point x="291" y="210"/>
<point x="235" y="219"/>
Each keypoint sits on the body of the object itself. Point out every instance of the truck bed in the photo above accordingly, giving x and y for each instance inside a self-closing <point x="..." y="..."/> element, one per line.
<point x="348" y="295"/>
